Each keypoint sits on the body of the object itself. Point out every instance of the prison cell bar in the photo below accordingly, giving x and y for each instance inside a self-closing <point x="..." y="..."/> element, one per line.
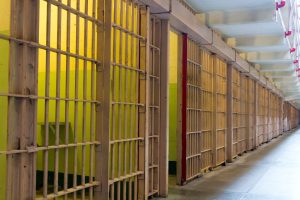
<point x="207" y="85"/>
<point x="183" y="108"/>
<point x="194" y="91"/>
<point x="23" y="64"/>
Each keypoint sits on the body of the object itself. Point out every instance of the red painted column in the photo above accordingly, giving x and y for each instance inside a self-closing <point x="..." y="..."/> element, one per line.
<point x="184" y="106"/>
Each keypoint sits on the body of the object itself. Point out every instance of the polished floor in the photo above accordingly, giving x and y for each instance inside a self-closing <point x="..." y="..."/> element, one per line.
<point x="272" y="172"/>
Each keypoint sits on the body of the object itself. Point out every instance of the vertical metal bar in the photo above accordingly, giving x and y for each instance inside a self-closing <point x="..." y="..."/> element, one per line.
<point x="84" y="110"/>
<point x="114" y="94"/>
<point x="126" y="99"/>
<point x="184" y="109"/>
<point x="47" y="94"/>
<point x="66" y="163"/>
<point x="194" y="111"/>
<point x="269" y="115"/>
<point x="225" y="110"/>
<point x="188" y="121"/>
<point x="258" y="112"/>
<point x="151" y="111"/>
<point x="152" y="102"/>
<point x="76" y="97"/>
<point x="196" y="125"/>
<point x="103" y="95"/>
<point x="280" y="116"/>
<point x="214" y="130"/>
<point x="22" y="113"/>
<point x="199" y="99"/>
<point x="144" y="97"/>
<point x="250" y="113"/>
<point x="120" y="99"/>
<point x="93" y="106"/>
<point x="145" y="26"/>
<point x="229" y="138"/>
<point x="136" y="22"/>
<point x="137" y="189"/>
<point x="188" y="93"/>
<point x="57" y="106"/>
<point x="131" y="99"/>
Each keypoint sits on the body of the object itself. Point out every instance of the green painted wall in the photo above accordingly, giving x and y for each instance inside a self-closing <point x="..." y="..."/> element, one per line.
<point x="4" y="60"/>
<point x="4" y="53"/>
<point x="52" y="113"/>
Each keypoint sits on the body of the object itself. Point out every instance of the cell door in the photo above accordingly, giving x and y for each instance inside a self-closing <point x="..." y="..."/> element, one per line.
<point x="266" y="115"/>
<point x="193" y="111"/>
<point x="259" y="115"/>
<point x="129" y="101"/>
<point x="242" y="130"/>
<point x="236" y="98"/>
<point x="271" y="129"/>
<point x="207" y="117"/>
<point x="280" y="115"/>
<point x="277" y="116"/>
<point x="154" y="104"/>
<point x="251" y="111"/>
<point x="285" y="116"/>
<point x="220" y="106"/>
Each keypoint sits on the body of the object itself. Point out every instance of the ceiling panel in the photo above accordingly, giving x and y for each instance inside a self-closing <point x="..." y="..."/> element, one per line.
<point x="228" y="5"/>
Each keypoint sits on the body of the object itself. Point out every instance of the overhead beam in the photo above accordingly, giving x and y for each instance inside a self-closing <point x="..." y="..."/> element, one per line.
<point x="295" y="99"/>
<point x="291" y="91"/>
<point x="259" y="39"/>
<point x="229" y="5"/>
<point x="280" y="76"/>
<point x="235" y="17"/>
<point x="286" y="81"/>
<point x="276" y="69"/>
<point x="288" y="87"/>
<point x="290" y="98"/>
<point x="249" y="29"/>
<point x="272" y="61"/>
<point x="269" y="48"/>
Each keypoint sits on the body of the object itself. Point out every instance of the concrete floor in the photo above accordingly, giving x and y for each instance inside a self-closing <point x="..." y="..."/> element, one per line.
<point x="272" y="172"/>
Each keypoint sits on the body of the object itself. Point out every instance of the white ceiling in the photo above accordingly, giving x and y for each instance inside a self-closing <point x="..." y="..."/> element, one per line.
<point x="249" y="29"/>
<point x="256" y="29"/>
<point x="229" y="5"/>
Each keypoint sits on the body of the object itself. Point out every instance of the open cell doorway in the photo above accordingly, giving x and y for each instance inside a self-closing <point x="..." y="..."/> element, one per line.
<point x="197" y="109"/>
<point x="174" y="106"/>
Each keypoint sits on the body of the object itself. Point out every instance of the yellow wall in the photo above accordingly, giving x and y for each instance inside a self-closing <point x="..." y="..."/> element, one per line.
<point x="5" y="16"/>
